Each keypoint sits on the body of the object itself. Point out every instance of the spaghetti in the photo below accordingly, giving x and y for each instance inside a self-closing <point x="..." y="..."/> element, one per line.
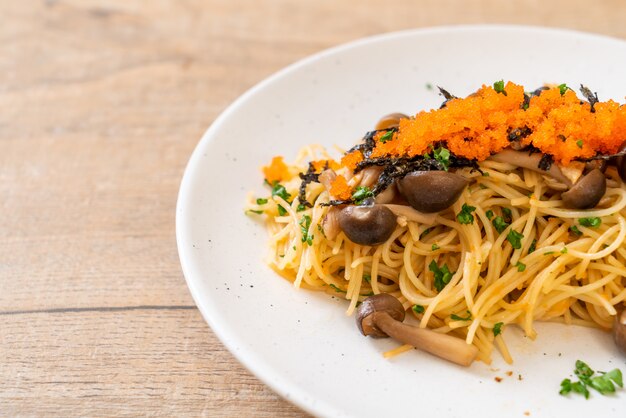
<point x="506" y="252"/>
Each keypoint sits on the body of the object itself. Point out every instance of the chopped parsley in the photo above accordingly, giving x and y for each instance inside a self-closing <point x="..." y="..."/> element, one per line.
<point x="459" y="318"/>
<point x="361" y="193"/>
<point x="434" y="247"/>
<point x="574" y="230"/>
<point x="425" y="232"/>
<point x="442" y="275"/>
<point x="387" y="136"/>
<point x="489" y="214"/>
<point x="520" y="266"/>
<point x="261" y="201"/>
<point x="579" y="143"/>
<point x="465" y="216"/>
<point x="587" y="378"/>
<point x="418" y="309"/>
<point x="497" y="329"/>
<point x="533" y="246"/>
<point x="591" y="222"/>
<point x="548" y="253"/>
<point x="515" y="238"/>
<point x="500" y="224"/>
<point x="564" y="250"/>
<point x="367" y="278"/>
<point x="485" y="174"/>
<point x="280" y="191"/>
<point x="508" y="215"/>
<point x="258" y="212"/>
<point x="305" y="223"/>
<point x="498" y="86"/>
<point x="442" y="155"/>
<point x="338" y="290"/>
<point x="563" y="88"/>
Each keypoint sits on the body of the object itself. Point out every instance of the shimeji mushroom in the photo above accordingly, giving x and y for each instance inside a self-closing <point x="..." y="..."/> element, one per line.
<point x="381" y="316"/>
<point x="584" y="191"/>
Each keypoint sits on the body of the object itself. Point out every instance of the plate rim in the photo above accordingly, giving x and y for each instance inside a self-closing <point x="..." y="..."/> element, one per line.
<point x="266" y="374"/>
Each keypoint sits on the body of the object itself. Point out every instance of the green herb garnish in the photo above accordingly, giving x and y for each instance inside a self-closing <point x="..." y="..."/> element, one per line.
<point x="497" y="329"/>
<point x="367" y="278"/>
<point x="563" y="88"/>
<point x="434" y="247"/>
<point x="508" y="215"/>
<point x="442" y="155"/>
<point x="418" y="309"/>
<point x="305" y="223"/>
<point x="591" y="222"/>
<point x="515" y="238"/>
<point x="280" y="191"/>
<point x="579" y="143"/>
<point x="498" y="86"/>
<point x="465" y="216"/>
<point x="361" y="193"/>
<point x="459" y="318"/>
<point x="533" y="247"/>
<point x="499" y="224"/>
<point x="442" y="275"/>
<point x="603" y="382"/>
<point x="387" y="136"/>
<point x="338" y="290"/>
<point x="261" y="201"/>
<point x="574" y="230"/>
<point x="258" y="212"/>
<point x="489" y="214"/>
<point x="520" y="266"/>
<point x="564" y="250"/>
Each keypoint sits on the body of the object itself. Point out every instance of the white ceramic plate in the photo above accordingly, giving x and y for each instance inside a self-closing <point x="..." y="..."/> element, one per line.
<point x="301" y="343"/>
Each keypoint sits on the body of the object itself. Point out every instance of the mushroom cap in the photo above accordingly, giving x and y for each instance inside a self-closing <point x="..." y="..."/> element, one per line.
<point x="391" y="120"/>
<point x="431" y="191"/>
<point x="383" y="302"/>
<point x="367" y="225"/>
<point x="587" y="192"/>
<point x="619" y="330"/>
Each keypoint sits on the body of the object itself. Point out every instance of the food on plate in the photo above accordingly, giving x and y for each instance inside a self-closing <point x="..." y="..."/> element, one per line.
<point x="501" y="208"/>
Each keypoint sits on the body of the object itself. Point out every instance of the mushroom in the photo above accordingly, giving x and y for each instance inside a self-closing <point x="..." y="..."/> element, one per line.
<point x="391" y="120"/>
<point x="431" y="191"/>
<point x="381" y="316"/>
<point x="619" y="330"/>
<point x="584" y="191"/>
<point x="620" y="163"/>
<point x="587" y="192"/>
<point x="367" y="225"/>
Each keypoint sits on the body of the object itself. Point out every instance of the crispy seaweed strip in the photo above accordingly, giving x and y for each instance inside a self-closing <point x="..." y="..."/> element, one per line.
<point x="519" y="133"/>
<point x="308" y="177"/>
<point x="446" y="95"/>
<point x="592" y="98"/>
<point x="368" y="143"/>
<point x="546" y="162"/>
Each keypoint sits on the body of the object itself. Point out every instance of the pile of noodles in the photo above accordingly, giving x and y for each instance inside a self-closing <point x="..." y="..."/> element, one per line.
<point x="557" y="275"/>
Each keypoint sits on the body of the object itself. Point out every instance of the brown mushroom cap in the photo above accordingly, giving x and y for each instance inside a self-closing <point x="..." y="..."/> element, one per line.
<point x="391" y="120"/>
<point x="587" y="192"/>
<point x="619" y="330"/>
<point x="431" y="191"/>
<point x="367" y="225"/>
<point x="379" y="303"/>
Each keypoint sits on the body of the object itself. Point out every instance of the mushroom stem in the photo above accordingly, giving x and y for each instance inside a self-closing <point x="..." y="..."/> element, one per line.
<point x="531" y="162"/>
<point x="445" y="346"/>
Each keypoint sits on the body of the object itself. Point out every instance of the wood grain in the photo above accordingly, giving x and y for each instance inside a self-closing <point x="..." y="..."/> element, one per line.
<point x="101" y="105"/>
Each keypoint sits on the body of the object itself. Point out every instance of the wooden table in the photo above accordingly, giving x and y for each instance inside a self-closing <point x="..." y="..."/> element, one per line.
<point x="101" y="104"/>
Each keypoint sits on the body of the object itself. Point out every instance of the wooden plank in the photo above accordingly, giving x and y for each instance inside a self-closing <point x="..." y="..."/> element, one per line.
<point x="148" y="362"/>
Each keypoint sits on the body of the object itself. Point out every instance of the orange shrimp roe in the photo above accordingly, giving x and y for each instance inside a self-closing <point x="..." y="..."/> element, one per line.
<point x="352" y="159"/>
<point x="320" y="165"/>
<point x="276" y="171"/>
<point x="477" y="126"/>
<point x="339" y="188"/>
